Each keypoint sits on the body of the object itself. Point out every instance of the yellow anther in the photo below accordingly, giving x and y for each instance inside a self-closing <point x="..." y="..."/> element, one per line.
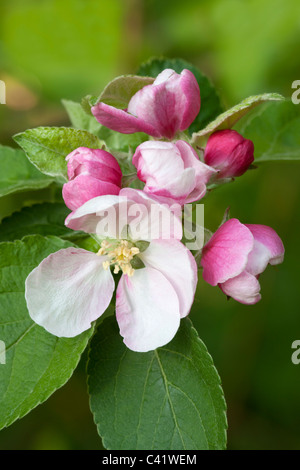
<point x="126" y="252"/>
<point x="120" y="254"/>
<point x="106" y="265"/>
<point x="105" y="244"/>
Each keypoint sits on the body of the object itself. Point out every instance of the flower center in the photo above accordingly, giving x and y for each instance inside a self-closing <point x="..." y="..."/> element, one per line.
<point x="121" y="253"/>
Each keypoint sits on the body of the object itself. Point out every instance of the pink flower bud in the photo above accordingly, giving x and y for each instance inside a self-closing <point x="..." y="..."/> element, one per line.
<point x="236" y="255"/>
<point x="162" y="109"/>
<point x="229" y="152"/>
<point x="91" y="173"/>
<point x="172" y="172"/>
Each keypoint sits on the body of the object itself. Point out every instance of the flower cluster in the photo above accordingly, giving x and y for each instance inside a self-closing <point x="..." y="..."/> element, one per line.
<point x="156" y="273"/>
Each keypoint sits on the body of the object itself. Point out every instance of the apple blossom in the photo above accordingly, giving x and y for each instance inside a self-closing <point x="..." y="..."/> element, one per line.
<point x="229" y="152"/>
<point x="236" y="255"/>
<point x="172" y="172"/>
<point x="91" y="173"/>
<point x="73" y="287"/>
<point x="162" y="109"/>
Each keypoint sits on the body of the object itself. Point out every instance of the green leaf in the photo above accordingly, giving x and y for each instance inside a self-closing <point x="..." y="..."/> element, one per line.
<point x="18" y="174"/>
<point x="166" y="399"/>
<point x="115" y="141"/>
<point x="142" y="245"/>
<point x="230" y="117"/>
<point x="274" y="130"/>
<point x="43" y="219"/>
<point x="37" y="363"/>
<point x="120" y="90"/>
<point x="47" y="147"/>
<point x="81" y="120"/>
<point x="210" y="101"/>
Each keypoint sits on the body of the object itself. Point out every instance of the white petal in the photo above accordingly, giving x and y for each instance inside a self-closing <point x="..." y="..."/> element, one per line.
<point x="68" y="291"/>
<point x="163" y="76"/>
<point x="147" y="310"/>
<point x="178" y="265"/>
<point x="157" y="222"/>
<point x="258" y="259"/>
<point x="98" y="215"/>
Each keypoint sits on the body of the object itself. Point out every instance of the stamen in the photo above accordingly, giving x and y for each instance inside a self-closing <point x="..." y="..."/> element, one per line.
<point x="106" y="265"/>
<point x="120" y="254"/>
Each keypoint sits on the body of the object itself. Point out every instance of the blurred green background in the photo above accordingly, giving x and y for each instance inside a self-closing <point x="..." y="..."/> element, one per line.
<point x="52" y="49"/>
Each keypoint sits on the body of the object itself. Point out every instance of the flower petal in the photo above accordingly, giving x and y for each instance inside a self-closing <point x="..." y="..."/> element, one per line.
<point x="108" y="216"/>
<point x="99" y="163"/>
<point x="229" y="152"/>
<point x="170" y="104"/>
<point x="121" y="121"/>
<point x="98" y="215"/>
<point x="147" y="310"/>
<point x="156" y="105"/>
<point x="158" y="162"/>
<point x="190" y="90"/>
<point x="85" y="187"/>
<point x="244" y="288"/>
<point x="178" y="265"/>
<point x="68" y="291"/>
<point x="191" y="160"/>
<point x="269" y="238"/>
<point x="226" y="253"/>
<point x="157" y="221"/>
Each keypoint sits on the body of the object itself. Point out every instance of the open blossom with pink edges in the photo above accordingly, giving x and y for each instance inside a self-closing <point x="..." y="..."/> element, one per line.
<point x="73" y="287"/>
<point x="162" y="109"/>
<point x="237" y="254"/>
<point x="172" y="171"/>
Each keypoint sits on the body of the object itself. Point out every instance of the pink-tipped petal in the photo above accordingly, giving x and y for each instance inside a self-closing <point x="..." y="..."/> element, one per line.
<point x="190" y="90"/>
<point x="267" y="237"/>
<point x="147" y="310"/>
<point x="244" y="288"/>
<point x="85" y="187"/>
<point x="157" y="162"/>
<point x="226" y="253"/>
<point x="178" y="265"/>
<point x="172" y="171"/>
<point x="68" y="291"/>
<point x="190" y="159"/>
<point x="98" y="163"/>
<point x="122" y="121"/>
<point x="170" y="104"/>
